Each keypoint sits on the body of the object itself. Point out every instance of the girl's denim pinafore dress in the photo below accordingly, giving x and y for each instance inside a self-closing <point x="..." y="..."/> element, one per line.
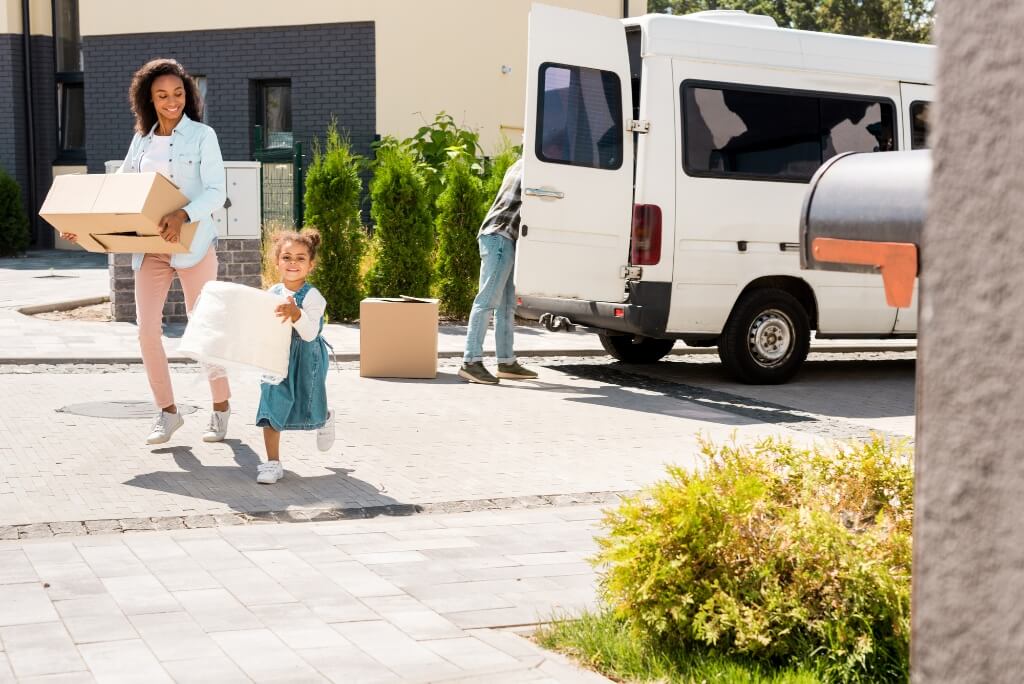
<point x="299" y="402"/>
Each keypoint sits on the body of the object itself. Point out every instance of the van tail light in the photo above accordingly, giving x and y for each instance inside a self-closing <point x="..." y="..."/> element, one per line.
<point x="645" y="239"/>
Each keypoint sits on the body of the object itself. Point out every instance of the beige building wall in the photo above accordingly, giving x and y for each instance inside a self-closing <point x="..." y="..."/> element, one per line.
<point x="430" y="56"/>
<point x="40" y="13"/>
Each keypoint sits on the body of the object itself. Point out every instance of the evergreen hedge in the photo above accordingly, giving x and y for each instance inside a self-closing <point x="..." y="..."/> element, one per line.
<point x="403" y="233"/>
<point x="774" y="553"/>
<point x="333" y="190"/>
<point x="14" y="233"/>
<point x="460" y="209"/>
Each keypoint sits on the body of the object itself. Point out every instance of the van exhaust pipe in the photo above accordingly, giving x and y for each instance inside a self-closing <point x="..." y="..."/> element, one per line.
<point x="555" y="323"/>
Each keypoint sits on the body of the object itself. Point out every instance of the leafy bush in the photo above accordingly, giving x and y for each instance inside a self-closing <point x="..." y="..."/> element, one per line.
<point x="776" y="553"/>
<point x="333" y="190"/>
<point x="460" y="212"/>
<point x="494" y="173"/>
<point x="14" y="235"/>
<point x="435" y="143"/>
<point x="403" y="234"/>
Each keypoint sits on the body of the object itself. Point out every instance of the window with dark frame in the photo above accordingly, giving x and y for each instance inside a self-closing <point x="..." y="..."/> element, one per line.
<point x="777" y="135"/>
<point x="275" y="113"/>
<point x="70" y="80"/>
<point x="919" y="125"/>
<point x="579" y="117"/>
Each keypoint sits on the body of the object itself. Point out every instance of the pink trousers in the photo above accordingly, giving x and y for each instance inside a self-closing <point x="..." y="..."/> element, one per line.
<point x="152" y="283"/>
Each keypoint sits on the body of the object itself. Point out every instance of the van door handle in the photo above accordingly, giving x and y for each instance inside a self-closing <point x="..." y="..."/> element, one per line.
<point x="545" y="192"/>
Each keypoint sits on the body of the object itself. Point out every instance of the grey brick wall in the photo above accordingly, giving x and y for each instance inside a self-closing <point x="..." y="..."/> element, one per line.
<point x="240" y="262"/>
<point x="331" y="67"/>
<point x="13" y="152"/>
<point x="12" y="113"/>
<point x="44" y="112"/>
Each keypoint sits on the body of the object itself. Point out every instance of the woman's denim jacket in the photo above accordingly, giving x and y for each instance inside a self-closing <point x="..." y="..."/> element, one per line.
<point x="197" y="168"/>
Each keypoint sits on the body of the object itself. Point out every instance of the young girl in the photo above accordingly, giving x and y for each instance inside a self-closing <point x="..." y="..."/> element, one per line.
<point x="300" y="401"/>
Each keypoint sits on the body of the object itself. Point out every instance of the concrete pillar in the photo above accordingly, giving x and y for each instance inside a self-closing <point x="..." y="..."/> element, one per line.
<point x="968" y="604"/>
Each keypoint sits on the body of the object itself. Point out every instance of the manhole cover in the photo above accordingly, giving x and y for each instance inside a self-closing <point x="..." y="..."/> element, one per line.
<point x="119" y="409"/>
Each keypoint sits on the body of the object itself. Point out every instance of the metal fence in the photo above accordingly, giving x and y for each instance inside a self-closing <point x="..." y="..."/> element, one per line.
<point x="282" y="177"/>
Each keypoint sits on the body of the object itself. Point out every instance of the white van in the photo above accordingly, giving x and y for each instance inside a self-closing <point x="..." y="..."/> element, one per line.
<point x="666" y="163"/>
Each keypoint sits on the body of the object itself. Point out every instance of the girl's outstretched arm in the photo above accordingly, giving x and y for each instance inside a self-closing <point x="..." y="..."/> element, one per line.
<point x="313" y="308"/>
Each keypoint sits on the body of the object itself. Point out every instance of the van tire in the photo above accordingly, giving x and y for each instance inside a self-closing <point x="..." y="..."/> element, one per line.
<point x="635" y="348"/>
<point x="766" y="339"/>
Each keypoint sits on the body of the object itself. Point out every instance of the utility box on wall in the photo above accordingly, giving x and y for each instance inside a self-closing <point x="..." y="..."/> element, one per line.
<point x="239" y="231"/>
<point x="240" y="218"/>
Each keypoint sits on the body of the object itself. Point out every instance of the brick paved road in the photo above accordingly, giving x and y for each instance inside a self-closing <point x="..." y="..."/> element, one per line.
<point x="399" y="442"/>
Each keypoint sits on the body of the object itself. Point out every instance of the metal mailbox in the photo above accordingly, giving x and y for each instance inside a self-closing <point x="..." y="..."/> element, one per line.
<point x="864" y="213"/>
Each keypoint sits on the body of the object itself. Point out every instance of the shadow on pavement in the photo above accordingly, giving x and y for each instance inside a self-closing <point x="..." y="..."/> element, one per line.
<point x="235" y="486"/>
<point x="836" y="387"/>
<point x="625" y="396"/>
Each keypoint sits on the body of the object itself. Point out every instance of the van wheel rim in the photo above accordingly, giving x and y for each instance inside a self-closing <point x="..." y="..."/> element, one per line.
<point x="770" y="338"/>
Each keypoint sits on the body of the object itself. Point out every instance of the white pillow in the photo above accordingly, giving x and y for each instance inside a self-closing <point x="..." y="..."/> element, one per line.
<point x="234" y="326"/>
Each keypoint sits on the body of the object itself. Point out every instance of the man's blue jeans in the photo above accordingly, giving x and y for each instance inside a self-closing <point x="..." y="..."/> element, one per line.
<point x="497" y="295"/>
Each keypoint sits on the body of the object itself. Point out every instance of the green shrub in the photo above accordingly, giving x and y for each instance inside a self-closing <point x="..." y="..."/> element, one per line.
<point x="434" y="145"/>
<point x="14" y="235"/>
<point x="460" y="212"/>
<point x="403" y="233"/>
<point x="333" y="190"/>
<point x="495" y="172"/>
<point x="774" y="553"/>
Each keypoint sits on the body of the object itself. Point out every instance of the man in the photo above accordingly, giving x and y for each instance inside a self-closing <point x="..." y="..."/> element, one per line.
<point x="497" y="240"/>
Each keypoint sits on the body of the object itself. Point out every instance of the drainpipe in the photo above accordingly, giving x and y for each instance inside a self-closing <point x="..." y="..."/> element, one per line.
<point x="30" y="133"/>
<point x="625" y="8"/>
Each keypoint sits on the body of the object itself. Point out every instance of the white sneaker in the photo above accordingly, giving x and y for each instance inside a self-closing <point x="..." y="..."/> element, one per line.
<point x="218" y="426"/>
<point x="325" y="435"/>
<point x="269" y="472"/>
<point x="164" y="426"/>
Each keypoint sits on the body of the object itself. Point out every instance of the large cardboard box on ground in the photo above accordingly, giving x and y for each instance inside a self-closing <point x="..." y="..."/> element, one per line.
<point x="398" y="338"/>
<point x="116" y="212"/>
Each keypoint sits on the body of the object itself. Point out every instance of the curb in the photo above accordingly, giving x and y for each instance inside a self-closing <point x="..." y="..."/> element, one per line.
<point x="61" y="306"/>
<point x="354" y="356"/>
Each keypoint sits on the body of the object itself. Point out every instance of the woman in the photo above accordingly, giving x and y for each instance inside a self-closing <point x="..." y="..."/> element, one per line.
<point x="170" y="139"/>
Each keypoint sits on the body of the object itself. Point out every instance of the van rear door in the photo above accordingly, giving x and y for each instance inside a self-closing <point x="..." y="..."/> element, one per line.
<point x="578" y="158"/>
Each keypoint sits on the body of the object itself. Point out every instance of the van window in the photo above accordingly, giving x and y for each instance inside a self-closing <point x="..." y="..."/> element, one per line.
<point x="919" y="125"/>
<point x="579" y="118"/>
<point x="762" y="134"/>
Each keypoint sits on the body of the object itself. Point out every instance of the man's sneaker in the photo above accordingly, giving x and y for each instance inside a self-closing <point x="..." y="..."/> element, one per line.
<point x="218" y="426"/>
<point x="164" y="426"/>
<point x="325" y="434"/>
<point x="475" y="372"/>
<point x="513" y="371"/>
<point x="269" y="472"/>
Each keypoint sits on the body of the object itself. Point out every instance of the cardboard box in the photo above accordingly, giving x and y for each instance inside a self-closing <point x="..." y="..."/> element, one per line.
<point x="116" y="212"/>
<point x="398" y="338"/>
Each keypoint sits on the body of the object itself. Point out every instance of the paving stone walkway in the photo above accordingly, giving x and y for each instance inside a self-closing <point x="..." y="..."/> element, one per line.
<point x="401" y="599"/>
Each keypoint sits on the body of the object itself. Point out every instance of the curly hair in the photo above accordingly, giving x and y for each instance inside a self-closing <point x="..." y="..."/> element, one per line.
<point x="310" y="237"/>
<point x="141" y="98"/>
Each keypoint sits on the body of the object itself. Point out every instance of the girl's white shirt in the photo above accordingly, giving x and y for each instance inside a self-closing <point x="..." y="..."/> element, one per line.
<point x="313" y="307"/>
<point x="158" y="156"/>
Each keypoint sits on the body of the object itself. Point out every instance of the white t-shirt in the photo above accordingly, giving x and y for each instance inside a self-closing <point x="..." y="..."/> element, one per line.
<point x="158" y="156"/>
<point x="313" y="307"/>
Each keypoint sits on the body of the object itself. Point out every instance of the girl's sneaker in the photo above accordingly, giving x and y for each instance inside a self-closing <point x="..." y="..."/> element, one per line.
<point x="269" y="472"/>
<point x="325" y="435"/>
<point x="218" y="426"/>
<point x="164" y="426"/>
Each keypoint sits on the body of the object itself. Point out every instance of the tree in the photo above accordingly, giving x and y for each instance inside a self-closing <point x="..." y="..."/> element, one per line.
<point x="333" y="190"/>
<point x="460" y="210"/>
<point x="14" y="235"/>
<point x="908" y="20"/>
<point x="403" y="237"/>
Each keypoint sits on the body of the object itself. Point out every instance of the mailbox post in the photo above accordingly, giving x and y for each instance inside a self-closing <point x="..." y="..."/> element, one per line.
<point x="864" y="213"/>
